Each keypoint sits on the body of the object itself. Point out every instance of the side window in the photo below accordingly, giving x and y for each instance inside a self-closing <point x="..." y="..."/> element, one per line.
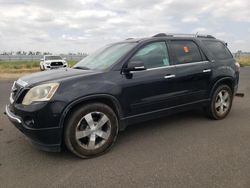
<point x="152" y="55"/>
<point x="218" y="49"/>
<point x="186" y="52"/>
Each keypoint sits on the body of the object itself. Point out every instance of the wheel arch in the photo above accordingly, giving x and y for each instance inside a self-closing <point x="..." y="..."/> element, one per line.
<point x="109" y="100"/>
<point x="226" y="80"/>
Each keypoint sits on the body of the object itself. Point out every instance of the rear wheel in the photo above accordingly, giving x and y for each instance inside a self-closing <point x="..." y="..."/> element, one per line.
<point x="91" y="130"/>
<point x="221" y="103"/>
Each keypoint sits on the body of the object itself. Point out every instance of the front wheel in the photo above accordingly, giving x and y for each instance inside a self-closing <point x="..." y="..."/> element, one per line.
<point x="91" y="130"/>
<point x="221" y="103"/>
<point x="42" y="68"/>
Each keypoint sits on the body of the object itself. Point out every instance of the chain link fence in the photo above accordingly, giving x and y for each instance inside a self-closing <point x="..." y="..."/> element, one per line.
<point x="15" y="58"/>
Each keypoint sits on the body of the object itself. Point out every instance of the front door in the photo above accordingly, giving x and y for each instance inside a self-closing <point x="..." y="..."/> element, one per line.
<point x="152" y="89"/>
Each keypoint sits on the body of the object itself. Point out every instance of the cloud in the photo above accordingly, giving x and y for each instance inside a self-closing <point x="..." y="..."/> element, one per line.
<point x="237" y="10"/>
<point x="190" y="19"/>
<point x="76" y="25"/>
<point x="199" y="30"/>
<point x="240" y="41"/>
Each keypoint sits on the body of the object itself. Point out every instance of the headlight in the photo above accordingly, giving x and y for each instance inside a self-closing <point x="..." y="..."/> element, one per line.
<point x="42" y="92"/>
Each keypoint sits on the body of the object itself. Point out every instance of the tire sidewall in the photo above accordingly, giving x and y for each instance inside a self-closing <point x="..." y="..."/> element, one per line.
<point x="212" y="105"/>
<point x="75" y="117"/>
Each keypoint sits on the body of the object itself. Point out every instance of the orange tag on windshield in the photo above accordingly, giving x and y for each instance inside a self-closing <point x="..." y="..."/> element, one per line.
<point x="186" y="50"/>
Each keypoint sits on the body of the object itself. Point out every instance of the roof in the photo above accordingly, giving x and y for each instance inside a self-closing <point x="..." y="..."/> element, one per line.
<point x="184" y="35"/>
<point x="164" y="35"/>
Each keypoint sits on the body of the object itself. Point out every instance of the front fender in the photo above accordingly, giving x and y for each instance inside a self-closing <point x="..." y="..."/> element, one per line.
<point x="96" y="97"/>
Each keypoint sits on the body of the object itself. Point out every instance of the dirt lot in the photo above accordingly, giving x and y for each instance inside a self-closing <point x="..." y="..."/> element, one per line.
<point x="184" y="150"/>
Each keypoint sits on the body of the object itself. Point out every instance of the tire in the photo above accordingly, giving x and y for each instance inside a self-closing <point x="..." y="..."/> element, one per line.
<point x="221" y="103"/>
<point x="91" y="130"/>
<point x="41" y="67"/>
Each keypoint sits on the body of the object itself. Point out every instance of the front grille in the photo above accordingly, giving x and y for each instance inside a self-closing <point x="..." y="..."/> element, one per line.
<point x="56" y="64"/>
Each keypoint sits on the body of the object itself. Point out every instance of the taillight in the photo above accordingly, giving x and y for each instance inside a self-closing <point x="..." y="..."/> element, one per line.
<point x="237" y="66"/>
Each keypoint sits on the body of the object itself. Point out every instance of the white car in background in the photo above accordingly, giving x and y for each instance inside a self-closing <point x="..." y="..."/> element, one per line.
<point x="49" y="62"/>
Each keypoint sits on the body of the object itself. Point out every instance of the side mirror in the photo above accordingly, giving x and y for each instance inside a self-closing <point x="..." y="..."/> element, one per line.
<point x="135" y="66"/>
<point x="64" y="58"/>
<point x="41" y="59"/>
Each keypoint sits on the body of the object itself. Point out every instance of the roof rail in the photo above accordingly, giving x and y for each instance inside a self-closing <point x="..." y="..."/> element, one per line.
<point x="205" y="36"/>
<point x="183" y="35"/>
<point x="160" y="35"/>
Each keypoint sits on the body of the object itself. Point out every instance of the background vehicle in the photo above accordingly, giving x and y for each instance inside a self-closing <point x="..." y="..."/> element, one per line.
<point x="121" y="84"/>
<point x="49" y="62"/>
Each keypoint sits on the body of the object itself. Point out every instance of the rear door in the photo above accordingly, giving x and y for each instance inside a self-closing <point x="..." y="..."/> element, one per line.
<point x="193" y="71"/>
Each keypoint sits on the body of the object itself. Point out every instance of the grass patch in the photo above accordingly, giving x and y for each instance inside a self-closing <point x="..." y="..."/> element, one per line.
<point x="23" y="66"/>
<point x="243" y="61"/>
<point x="18" y="64"/>
<point x="71" y="63"/>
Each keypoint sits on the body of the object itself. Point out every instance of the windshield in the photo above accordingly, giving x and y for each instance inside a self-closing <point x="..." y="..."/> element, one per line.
<point x="52" y="57"/>
<point x="105" y="57"/>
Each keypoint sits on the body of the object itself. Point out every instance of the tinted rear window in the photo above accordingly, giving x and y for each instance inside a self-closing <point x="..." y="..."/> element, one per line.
<point x="186" y="52"/>
<point x="218" y="49"/>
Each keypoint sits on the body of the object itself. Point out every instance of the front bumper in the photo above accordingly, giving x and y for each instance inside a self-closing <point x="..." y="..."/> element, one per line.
<point x="49" y="67"/>
<point x="47" y="139"/>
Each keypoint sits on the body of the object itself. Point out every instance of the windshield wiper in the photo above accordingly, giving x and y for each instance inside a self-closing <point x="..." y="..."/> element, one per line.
<point x="83" y="68"/>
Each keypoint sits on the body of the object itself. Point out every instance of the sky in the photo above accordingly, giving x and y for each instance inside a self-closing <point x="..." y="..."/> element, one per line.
<point x="63" y="26"/>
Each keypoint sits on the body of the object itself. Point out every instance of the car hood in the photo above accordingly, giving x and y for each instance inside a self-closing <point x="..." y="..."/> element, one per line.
<point x="53" y="75"/>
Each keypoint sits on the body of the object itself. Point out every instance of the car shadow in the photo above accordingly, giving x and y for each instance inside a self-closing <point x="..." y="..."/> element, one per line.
<point x="161" y="124"/>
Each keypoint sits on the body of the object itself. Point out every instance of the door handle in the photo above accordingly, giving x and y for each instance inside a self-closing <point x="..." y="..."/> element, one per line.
<point x="169" y="76"/>
<point x="207" y="70"/>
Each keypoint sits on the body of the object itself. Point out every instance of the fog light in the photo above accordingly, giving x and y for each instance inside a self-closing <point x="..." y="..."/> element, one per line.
<point x="30" y="122"/>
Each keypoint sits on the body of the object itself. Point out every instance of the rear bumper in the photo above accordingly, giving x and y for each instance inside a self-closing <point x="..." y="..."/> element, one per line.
<point x="235" y="89"/>
<point x="236" y="82"/>
<point x="47" y="139"/>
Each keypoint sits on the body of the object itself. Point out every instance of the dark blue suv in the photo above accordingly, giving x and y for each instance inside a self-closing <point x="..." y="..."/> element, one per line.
<point x="131" y="81"/>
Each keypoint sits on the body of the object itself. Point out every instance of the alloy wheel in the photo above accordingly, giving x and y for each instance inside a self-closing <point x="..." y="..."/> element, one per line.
<point x="222" y="102"/>
<point x="93" y="130"/>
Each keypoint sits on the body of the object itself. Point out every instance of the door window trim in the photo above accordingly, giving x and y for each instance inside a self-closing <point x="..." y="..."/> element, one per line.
<point x="202" y="54"/>
<point x="170" y="58"/>
<point x="172" y="66"/>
